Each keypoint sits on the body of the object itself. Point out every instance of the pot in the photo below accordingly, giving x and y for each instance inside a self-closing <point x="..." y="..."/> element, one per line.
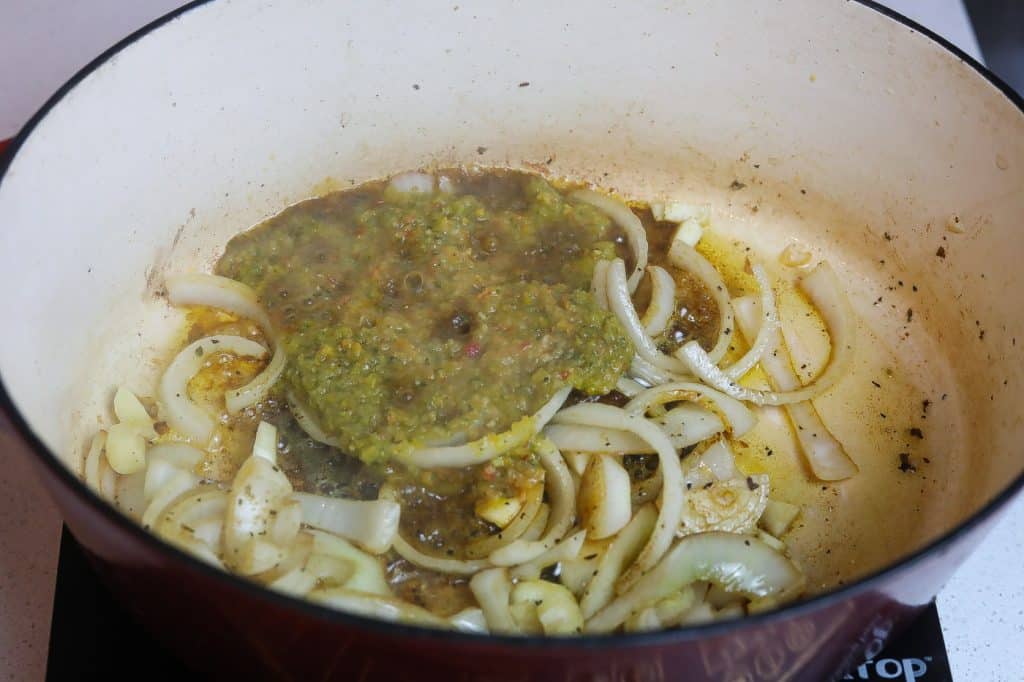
<point x="836" y="124"/>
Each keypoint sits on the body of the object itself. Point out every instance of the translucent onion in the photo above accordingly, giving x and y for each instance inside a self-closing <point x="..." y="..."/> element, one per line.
<point x="671" y="498"/>
<point x="623" y="550"/>
<point x="492" y="445"/>
<point x="469" y="620"/>
<point x="625" y="219"/>
<point x="308" y="424"/>
<point x="663" y="300"/>
<point x="214" y="291"/>
<point x="94" y="462"/>
<point x="562" y="495"/>
<point x="493" y="591"/>
<point x="685" y="425"/>
<point x="256" y="390"/>
<point x="621" y="304"/>
<point x="739" y="418"/>
<point x="563" y="550"/>
<point x="514" y="530"/>
<point x="377" y="607"/>
<point x="371" y="524"/>
<point x="628" y="387"/>
<point x="738" y="563"/>
<point x="778" y="517"/>
<point x="433" y="563"/>
<point x="184" y="415"/>
<point x="368" y="572"/>
<point x="604" y="501"/>
<point x="761" y="342"/>
<point x="824" y="453"/>
<point x="258" y="493"/>
<point x="265" y="444"/>
<point x="822" y="287"/>
<point x="557" y="610"/>
<point x="687" y="258"/>
<point x="227" y="294"/>
<point x="195" y="523"/>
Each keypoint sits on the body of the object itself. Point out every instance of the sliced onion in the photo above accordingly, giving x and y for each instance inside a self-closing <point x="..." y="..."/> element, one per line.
<point x="371" y="524"/>
<point x="238" y="399"/>
<point x="308" y="424"/>
<point x="514" y="530"/>
<point x="663" y="300"/>
<point x="645" y="372"/>
<point x="184" y="415"/>
<point x="604" y="501"/>
<point x="433" y="563"/>
<point x="368" y="572"/>
<point x="562" y="494"/>
<point x="214" y="291"/>
<point x="687" y="258"/>
<point x="738" y="563"/>
<point x="539" y="523"/>
<point x="623" y="550"/>
<point x="493" y="591"/>
<point x="178" y="483"/>
<point x="258" y="493"/>
<point x="739" y="418"/>
<point x="625" y="219"/>
<point x="557" y="610"/>
<point x="825" y="455"/>
<point x="412" y="182"/>
<point x="227" y="294"/>
<point x="667" y="613"/>
<point x="376" y="606"/>
<point x="128" y="494"/>
<point x="720" y="461"/>
<point x="685" y="425"/>
<point x="621" y="304"/>
<point x="565" y="549"/>
<point x="265" y="444"/>
<point x="671" y="471"/>
<point x="94" y="461"/>
<point x="469" y="620"/>
<point x="628" y="387"/>
<point x="761" y="342"/>
<point x="822" y="287"/>
<point x="778" y="517"/>
<point x="599" y="283"/>
<point x="492" y="445"/>
<point x="187" y="522"/>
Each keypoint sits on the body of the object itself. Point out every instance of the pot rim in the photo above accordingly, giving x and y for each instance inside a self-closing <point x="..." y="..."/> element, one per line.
<point x="522" y="644"/>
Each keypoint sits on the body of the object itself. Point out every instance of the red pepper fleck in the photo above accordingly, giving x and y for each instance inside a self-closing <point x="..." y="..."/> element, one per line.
<point x="472" y="349"/>
<point x="488" y="473"/>
<point x="564" y="374"/>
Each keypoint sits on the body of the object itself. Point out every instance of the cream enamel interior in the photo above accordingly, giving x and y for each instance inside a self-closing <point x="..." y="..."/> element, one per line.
<point x="852" y="134"/>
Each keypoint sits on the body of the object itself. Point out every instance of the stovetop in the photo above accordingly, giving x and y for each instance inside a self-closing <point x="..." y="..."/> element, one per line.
<point x="87" y="621"/>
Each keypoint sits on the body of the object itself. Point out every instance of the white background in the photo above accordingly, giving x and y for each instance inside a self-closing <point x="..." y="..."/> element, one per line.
<point x="44" y="42"/>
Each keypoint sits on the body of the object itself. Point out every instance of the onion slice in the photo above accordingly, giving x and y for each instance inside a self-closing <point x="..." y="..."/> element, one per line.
<point x="493" y="591"/>
<point x="490" y="446"/>
<point x="825" y="455"/>
<point x="823" y="288"/>
<point x="184" y="415"/>
<point x="372" y="524"/>
<point x="760" y="342"/>
<point x="214" y="291"/>
<point x="594" y="414"/>
<point x="738" y="563"/>
<point x="687" y="258"/>
<point x="622" y="551"/>
<point x="599" y="283"/>
<point x="441" y="565"/>
<point x="562" y="494"/>
<point x="377" y="607"/>
<point x="227" y="294"/>
<point x="737" y="415"/>
<point x="625" y="219"/>
<point x="622" y="305"/>
<point x="663" y="299"/>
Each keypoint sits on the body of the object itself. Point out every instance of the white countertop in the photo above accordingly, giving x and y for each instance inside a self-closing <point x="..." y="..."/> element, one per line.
<point x="43" y="42"/>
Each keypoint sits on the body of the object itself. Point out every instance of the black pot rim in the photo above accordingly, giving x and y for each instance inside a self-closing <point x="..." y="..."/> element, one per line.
<point x="521" y="644"/>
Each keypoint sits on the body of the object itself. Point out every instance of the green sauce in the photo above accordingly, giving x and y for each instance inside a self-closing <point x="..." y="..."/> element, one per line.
<point x="415" y="319"/>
